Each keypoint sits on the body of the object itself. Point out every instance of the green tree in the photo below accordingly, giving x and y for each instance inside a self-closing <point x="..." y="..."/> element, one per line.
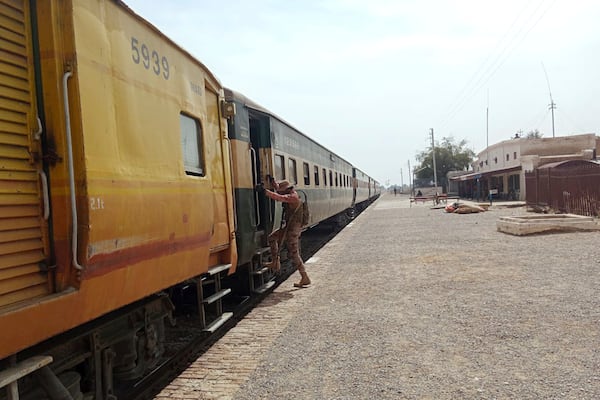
<point x="535" y="134"/>
<point x="449" y="156"/>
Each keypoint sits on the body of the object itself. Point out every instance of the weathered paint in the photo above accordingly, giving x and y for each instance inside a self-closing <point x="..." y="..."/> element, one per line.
<point x="144" y="224"/>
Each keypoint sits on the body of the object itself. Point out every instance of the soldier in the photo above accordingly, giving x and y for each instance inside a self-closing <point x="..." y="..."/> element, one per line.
<point x="290" y="231"/>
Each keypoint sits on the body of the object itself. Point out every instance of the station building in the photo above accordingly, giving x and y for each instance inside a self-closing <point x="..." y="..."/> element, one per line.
<point x="500" y="168"/>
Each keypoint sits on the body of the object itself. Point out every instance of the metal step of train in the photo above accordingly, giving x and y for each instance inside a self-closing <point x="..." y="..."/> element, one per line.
<point x="261" y="277"/>
<point x="211" y="306"/>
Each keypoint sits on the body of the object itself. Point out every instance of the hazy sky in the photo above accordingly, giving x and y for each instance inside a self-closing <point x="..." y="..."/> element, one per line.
<point x="369" y="78"/>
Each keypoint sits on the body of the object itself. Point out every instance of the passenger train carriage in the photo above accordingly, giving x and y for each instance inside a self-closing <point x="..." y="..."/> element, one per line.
<point x="263" y="144"/>
<point x="116" y="182"/>
<point x="123" y="189"/>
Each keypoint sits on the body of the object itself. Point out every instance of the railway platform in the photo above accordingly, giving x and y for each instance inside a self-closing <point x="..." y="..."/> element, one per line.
<point x="410" y="302"/>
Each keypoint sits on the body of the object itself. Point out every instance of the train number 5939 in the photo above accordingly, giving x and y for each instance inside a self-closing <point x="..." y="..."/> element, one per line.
<point x="150" y="59"/>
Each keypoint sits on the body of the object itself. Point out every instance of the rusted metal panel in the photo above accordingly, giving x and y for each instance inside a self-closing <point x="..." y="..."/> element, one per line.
<point x="569" y="186"/>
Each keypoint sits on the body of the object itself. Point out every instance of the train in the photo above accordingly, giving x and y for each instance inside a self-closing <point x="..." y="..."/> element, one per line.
<point x="129" y="179"/>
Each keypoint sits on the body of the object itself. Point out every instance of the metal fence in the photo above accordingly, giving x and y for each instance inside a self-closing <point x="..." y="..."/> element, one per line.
<point x="567" y="187"/>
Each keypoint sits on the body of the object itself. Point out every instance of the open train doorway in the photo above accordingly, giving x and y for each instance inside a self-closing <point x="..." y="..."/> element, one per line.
<point x="259" y="143"/>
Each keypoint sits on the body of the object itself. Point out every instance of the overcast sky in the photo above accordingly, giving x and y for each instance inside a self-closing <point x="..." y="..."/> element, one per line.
<point x="369" y="78"/>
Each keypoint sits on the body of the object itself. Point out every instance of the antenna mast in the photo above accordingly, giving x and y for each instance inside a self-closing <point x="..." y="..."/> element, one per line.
<point x="552" y="105"/>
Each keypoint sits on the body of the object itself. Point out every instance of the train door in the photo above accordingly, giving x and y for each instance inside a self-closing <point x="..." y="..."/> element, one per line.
<point x="221" y="205"/>
<point x="23" y="208"/>
<point x="259" y="139"/>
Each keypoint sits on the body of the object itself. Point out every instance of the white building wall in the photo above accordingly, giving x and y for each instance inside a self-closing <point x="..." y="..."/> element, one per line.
<point x="529" y="154"/>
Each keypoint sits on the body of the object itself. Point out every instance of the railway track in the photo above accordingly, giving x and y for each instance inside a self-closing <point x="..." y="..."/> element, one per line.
<point x="186" y="340"/>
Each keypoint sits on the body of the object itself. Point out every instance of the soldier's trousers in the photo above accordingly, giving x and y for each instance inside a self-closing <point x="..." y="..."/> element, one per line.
<point x="291" y="235"/>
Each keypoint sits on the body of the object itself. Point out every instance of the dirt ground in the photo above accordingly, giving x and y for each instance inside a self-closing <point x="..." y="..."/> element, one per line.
<point x="415" y="303"/>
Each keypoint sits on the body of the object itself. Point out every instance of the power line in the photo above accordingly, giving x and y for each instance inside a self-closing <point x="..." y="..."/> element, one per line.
<point x="498" y="61"/>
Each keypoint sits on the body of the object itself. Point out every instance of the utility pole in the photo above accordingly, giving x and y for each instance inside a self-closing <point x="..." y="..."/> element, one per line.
<point x="487" y="150"/>
<point x="401" y="182"/>
<point x="552" y="106"/>
<point x="411" y="180"/>
<point x="434" y="167"/>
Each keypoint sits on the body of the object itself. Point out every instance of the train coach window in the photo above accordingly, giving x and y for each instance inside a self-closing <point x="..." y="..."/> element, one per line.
<point x="191" y="145"/>
<point x="306" y="172"/>
<point x="316" y="176"/>
<point x="279" y="170"/>
<point x="293" y="171"/>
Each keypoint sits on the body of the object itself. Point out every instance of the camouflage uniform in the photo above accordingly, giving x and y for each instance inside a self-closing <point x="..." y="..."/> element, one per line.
<point x="292" y="206"/>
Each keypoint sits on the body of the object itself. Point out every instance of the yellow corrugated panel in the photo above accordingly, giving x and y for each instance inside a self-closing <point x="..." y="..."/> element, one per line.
<point x="12" y="25"/>
<point x="14" y="165"/>
<point x="13" y="116"/>
<point x="21" y="234"/>
<point x="20" y="246"/>
<point x="21" y="237"/>
<point x="20" y="152"/>
<point x="17" y="84"/>
<point x="18" y="271"/>
<point x="14" y="105"/>
<point x="24" y="294"/>
<point x="19" y="211"/>
<point x="11" y="260"/>
<point x="12" y="70"/>
<point x="18" y="175"/>
<point x="13" y="9"/>
<point x="18" y="199"/>
<point x="9" y="91"/>
<point x="18" y="187"/>
<point x="21" y="282"/>
<point x="18" y="223"/>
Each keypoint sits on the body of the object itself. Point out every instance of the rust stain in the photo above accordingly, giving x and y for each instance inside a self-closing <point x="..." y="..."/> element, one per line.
<point x="104" y="263"/>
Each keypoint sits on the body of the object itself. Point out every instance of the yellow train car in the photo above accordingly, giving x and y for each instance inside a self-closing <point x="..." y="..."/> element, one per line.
<point x="115" y="183"/>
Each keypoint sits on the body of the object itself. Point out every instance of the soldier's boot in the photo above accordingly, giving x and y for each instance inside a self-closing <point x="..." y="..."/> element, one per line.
<point x="305" y="281"/>
<point x="274" y="265"/>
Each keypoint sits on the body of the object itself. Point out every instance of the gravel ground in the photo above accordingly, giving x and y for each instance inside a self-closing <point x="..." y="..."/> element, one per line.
<point x="441" y="306"/>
